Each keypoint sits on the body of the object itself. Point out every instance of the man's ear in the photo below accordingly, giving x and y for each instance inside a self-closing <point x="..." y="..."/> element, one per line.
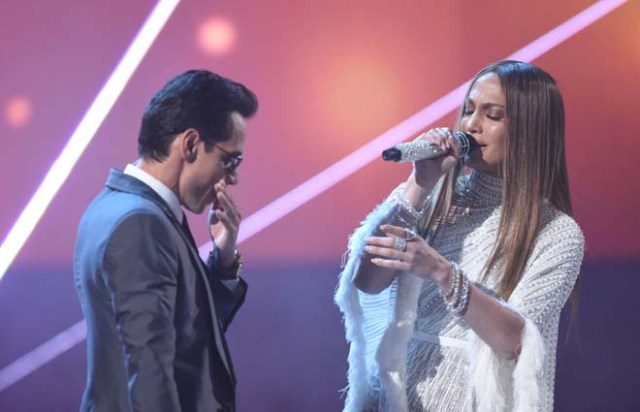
<point x="189" y="146"/>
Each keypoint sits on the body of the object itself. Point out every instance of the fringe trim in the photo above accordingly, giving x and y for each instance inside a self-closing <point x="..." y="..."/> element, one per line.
<point x="348" y="300"/>
<point x="507" y="384"/>
<point x="390" y="355"/>
<point x="498" y="384"/>
<point x="392" y="352"/>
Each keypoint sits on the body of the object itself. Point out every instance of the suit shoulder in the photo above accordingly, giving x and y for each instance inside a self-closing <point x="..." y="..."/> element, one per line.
<point x="123" y="214"/>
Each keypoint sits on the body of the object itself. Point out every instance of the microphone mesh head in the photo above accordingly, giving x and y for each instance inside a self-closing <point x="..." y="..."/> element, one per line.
<point x="464" y="143"/>
<point x="467" y="142"/>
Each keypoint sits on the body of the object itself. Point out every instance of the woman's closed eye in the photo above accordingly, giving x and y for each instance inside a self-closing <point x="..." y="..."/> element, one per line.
<point x="494" y="113"/>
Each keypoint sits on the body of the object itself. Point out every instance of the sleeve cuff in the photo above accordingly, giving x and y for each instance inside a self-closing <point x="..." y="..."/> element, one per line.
<point x="231" y="273"/>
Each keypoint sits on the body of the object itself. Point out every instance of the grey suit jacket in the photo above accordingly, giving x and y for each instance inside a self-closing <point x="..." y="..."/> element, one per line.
<point x="156" y="314"/>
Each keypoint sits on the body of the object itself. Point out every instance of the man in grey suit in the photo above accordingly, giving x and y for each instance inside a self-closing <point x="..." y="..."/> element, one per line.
<point x="156" y="313"/>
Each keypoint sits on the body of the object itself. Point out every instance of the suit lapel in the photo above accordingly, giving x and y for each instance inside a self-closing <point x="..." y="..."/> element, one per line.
<point x="195" y="256"/>
<point x="124" y="183"/>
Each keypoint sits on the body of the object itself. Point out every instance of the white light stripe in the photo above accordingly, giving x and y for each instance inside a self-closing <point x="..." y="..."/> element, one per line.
<point x="567" y="29"/>
<point x="340" y="170"/>
<point x="82" y="136"/>
<point x="43" y="354"/>
<point x="295" y="198"/>
<point x="305" y="192"/>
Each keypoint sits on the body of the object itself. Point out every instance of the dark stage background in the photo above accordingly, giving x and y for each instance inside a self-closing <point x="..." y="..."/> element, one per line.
<point x="331" y="76"/>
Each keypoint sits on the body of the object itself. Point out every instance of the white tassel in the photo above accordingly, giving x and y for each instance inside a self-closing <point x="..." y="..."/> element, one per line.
<point x="347" y="298"/>
<point x="501" y="384"/>
<point x="528" y="371"/>
<point x="392" y="352"/>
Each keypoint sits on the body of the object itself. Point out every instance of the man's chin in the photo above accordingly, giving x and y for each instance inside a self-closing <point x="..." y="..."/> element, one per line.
<point x="197" y="209"/>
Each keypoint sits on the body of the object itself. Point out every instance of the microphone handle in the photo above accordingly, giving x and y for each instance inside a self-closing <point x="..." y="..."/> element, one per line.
<point x="422" y="149"/>
<point x="411" y="152"/>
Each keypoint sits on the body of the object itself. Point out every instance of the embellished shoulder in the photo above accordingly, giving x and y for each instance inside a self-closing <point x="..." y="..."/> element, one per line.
<point x="558" y="231"/>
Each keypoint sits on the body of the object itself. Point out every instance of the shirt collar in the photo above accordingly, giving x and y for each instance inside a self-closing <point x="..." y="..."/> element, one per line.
<point x="160" y="188"/>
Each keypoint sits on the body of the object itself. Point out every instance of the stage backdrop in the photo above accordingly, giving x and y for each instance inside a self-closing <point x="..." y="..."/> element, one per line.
<point x="331" y="76"/>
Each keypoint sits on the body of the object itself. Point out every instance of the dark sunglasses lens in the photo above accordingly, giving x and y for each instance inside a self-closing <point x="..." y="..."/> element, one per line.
<point x="232" y="163"/>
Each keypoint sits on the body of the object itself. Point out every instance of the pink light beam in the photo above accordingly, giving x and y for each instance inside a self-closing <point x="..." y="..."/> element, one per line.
<point x="83" y="134"/>
<point x="340" y="170"/>
<point x="293" y="199"/>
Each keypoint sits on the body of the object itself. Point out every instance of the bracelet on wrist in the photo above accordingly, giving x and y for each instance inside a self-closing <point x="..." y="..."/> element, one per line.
<point x="236" y="265"/>
<point x="232" y="270"/>
<point x="453" y="282"/>
<point x="406" y="206"/>
<point x="456" y="298"/>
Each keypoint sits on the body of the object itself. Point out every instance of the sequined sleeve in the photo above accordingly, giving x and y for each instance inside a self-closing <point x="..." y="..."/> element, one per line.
<point x="548" y="280"/>
<point x="551" y="273"/>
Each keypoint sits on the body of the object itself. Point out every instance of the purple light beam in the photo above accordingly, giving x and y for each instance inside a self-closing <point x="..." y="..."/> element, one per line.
<point x="293" y="199"/>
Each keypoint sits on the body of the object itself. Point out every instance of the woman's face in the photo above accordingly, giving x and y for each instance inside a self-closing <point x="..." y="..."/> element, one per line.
<point x="484" y="117"/>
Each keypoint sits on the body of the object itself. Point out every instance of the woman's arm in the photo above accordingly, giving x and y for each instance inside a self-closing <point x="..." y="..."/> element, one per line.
<point x="494" y="323"/>
<point x="368" y="277"/>
<point x="372" y="278"/>
<point x="540" y="294"/>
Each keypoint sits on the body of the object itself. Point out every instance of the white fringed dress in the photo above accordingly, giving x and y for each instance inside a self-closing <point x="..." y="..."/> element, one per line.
<point x="408" y="353"/>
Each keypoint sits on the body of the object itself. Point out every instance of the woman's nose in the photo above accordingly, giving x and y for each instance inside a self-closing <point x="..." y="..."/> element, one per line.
<point x="473" y="124"/>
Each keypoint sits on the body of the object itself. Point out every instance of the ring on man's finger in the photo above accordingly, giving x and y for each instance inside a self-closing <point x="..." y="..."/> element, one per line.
<point x="400" y="244"/>
<point x="409" y="235"/>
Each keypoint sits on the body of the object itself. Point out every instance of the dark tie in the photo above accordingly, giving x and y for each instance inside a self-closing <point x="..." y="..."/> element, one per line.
<point x="187" y="231"/>
<point x="223" y="350"/>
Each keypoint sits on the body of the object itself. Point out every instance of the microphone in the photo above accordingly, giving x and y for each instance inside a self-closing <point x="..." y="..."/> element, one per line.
<point x="422" y="149"/>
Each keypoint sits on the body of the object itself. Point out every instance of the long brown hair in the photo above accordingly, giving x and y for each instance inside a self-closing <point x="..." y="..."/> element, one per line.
<point x="534" y="170"/>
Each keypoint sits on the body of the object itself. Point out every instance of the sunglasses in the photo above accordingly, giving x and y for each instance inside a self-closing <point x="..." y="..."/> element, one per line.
<point x="230" y="161"/>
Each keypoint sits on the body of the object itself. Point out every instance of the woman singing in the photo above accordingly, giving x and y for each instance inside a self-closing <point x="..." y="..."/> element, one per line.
<point x="454" y="285"/>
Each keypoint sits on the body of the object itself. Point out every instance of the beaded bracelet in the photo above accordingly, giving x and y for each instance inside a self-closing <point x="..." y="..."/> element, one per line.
<point x="402" y="217"/>
<point x="455" y="279"/>
<point x="406" y="206"/>
<point x="457" y="298"/>
<point x="403" y="214"/>
<point x="460" y="309"/>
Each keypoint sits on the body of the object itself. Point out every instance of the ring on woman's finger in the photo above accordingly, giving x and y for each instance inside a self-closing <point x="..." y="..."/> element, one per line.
<point x="400" y="244"/>
<point x="409" y="235"/>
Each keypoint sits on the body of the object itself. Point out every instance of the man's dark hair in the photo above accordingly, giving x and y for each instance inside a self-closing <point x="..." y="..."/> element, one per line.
<point x="195" y="99"/>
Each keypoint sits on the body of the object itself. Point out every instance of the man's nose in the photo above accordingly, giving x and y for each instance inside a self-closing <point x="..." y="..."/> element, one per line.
<point x="231" y="178"/>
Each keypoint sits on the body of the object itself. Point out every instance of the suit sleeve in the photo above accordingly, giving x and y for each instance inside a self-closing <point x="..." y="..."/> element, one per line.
<point x="140" y="263"/>
<point x="228" y="296"/>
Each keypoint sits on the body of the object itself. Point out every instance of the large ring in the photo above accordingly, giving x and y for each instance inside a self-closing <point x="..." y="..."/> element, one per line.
<point x="400" y="244"/>
<point x="409" y="235"/>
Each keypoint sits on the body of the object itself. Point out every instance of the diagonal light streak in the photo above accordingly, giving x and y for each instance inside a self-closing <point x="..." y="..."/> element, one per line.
<point x="340" y="170"/>
<point x="330" y="176"/>
<point x="316" y="185"/>
<point x="84" y="132"/>
<point x="43" y="354"/>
